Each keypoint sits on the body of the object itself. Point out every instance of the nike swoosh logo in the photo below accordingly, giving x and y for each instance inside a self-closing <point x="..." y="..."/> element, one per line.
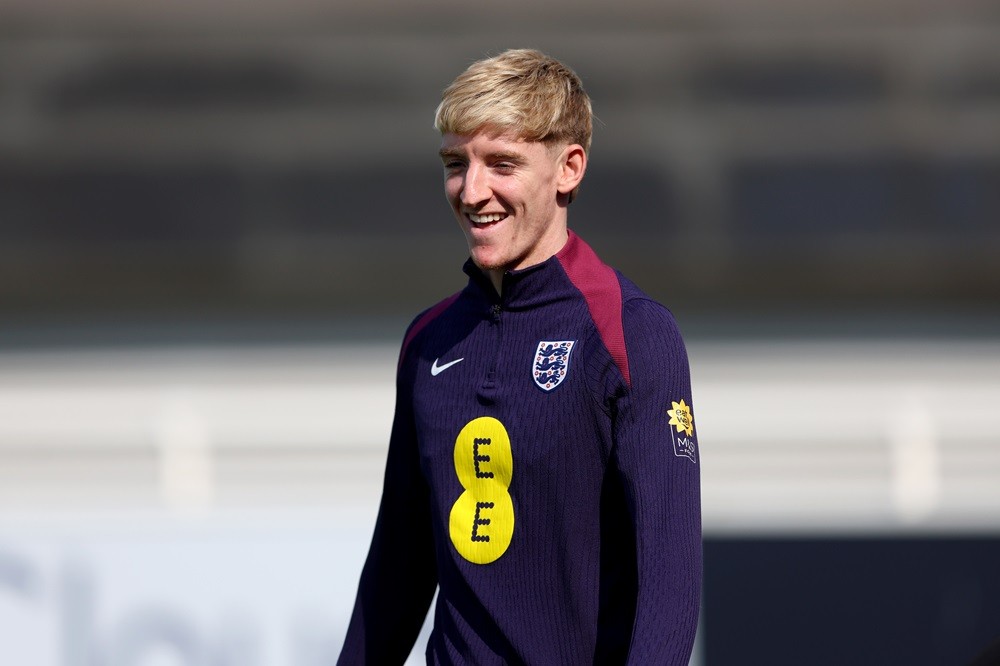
<point x="438" y="369"/>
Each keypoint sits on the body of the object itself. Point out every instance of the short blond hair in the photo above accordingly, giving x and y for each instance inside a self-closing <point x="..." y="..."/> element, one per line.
<point x="521" y="91"/>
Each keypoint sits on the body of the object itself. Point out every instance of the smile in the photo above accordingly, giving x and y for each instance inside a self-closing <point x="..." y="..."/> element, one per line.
<point x="488" y="218"/>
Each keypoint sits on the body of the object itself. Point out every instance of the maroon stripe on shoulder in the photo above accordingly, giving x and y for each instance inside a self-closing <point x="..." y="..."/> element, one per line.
<point x="603" y="293"/>
<point x="421" y="323"/>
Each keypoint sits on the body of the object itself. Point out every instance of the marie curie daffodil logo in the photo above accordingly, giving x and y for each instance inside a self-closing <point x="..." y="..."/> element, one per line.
<point x="680" y="417"/>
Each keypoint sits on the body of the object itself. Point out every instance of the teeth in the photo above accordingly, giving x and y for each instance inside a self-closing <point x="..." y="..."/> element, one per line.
<point x="486" y="219"/>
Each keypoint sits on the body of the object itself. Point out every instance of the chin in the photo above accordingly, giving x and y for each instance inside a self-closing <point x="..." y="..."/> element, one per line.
<point x="487" y="261"/>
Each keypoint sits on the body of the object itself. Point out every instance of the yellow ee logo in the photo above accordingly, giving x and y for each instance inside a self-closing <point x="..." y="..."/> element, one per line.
<point x="482" y="519"/>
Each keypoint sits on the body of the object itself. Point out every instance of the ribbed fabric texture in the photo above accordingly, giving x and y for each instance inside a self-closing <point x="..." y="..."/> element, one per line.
<point x="601" y="560"/>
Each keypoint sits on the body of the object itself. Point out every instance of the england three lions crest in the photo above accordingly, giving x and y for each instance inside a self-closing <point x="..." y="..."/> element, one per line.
<point x="551" y="363"/>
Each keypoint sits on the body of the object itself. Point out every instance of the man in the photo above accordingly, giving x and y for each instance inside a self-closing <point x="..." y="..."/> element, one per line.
<point x="543" y="467"/>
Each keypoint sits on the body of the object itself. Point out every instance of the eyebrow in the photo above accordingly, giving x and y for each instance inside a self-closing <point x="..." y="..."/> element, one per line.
<point x="507" y="157"/>
<point x="449" y="153"/>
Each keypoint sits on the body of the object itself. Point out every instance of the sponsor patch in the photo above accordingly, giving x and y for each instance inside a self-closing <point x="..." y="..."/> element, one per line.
<point x="551" y="363"/>
<point x="682" y="434"/>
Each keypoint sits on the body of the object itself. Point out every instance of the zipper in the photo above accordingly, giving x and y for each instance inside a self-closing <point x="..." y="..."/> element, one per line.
<point x="495" y="317"/>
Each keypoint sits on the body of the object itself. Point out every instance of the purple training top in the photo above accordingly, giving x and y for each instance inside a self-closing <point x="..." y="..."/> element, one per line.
<point x="543" y="471"/>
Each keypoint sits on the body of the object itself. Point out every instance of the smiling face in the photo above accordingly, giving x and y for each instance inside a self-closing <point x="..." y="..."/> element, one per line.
<point x="510" y="196"/>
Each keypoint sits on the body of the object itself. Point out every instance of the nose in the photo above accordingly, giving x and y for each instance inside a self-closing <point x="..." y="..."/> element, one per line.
<point x="475" y="187"/>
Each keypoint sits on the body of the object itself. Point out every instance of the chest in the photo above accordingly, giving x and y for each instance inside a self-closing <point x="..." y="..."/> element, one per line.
<point x="529" y="373"/>
<point x="510" y="436"/>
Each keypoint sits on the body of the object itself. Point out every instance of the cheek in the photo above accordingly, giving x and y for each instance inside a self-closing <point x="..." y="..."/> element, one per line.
<point x="452" y="191"/>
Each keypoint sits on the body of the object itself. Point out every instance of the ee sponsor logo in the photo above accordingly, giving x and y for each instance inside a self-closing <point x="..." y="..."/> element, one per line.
<point x="481" y="523"/>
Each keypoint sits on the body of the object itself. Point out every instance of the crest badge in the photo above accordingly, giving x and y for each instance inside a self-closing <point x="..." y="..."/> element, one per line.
<point x="551" y="363"/>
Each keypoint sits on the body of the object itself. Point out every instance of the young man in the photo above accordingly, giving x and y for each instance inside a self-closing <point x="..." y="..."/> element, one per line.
<point x="543" y="466"/>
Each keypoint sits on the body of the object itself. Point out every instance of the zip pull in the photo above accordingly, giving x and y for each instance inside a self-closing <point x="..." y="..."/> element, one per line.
<point x="495" y="311"/>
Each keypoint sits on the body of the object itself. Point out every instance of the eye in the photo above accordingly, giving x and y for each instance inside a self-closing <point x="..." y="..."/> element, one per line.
<point x="452" y="165"/>
<point x="505" y="167"/>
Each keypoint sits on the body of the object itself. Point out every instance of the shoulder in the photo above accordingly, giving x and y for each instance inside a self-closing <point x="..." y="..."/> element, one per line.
<point x="656" y="347"/>
<point x="633" y="328"/>
<point x="601" y="290"/>
<point x="425" y="319"/>
<point x="641" y="314"/>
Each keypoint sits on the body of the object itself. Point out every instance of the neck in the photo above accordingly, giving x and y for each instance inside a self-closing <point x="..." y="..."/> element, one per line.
<point x="556" y="239"/>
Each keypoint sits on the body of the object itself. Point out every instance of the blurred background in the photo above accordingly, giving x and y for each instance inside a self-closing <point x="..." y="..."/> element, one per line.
<point x="217" y="219"/>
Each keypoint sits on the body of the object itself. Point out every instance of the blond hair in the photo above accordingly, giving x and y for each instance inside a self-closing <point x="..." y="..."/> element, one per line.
<point x="521" y="91"/>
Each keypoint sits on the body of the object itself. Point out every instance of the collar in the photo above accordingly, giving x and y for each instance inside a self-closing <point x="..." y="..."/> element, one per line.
<point x="533" y="286"/>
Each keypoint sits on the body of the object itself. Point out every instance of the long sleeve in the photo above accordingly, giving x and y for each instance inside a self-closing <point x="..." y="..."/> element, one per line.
<point x="659" y="462"/>
<point x="399" y="576"/>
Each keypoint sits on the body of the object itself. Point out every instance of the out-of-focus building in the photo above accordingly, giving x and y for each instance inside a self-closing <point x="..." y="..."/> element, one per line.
<point x="181" y="155"/>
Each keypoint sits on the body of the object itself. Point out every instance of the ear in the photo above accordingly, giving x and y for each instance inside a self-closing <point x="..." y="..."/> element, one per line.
<point x="572" y="166"/>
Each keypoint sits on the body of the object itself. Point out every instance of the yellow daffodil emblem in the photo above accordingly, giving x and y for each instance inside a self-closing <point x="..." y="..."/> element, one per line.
<point x="680" y="417"/>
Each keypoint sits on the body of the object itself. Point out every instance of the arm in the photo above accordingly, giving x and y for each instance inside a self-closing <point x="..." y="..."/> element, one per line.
<point x="659" y="462"/>
<point x="399" y="576"/>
